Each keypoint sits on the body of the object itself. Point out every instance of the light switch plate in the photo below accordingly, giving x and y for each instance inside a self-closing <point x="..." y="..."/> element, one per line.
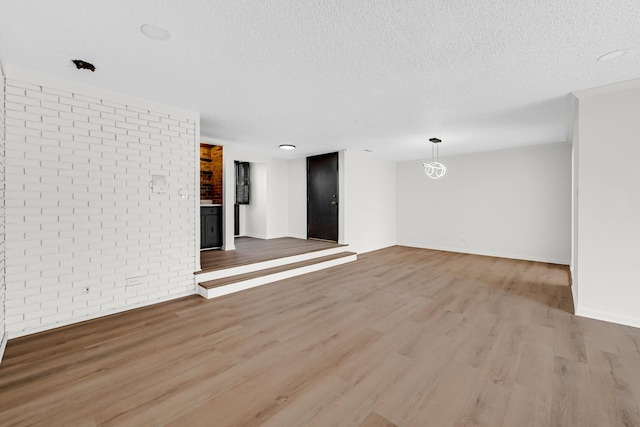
<point x="158" y="183"/>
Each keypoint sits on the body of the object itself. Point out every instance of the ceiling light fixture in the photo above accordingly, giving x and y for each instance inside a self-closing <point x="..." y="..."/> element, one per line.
<point x="434" y="170"/>
<point x="287" y="147"/>
<point x="154" y="32"/>
<point x="610" y="56"/>
<point x="83" y="65"/>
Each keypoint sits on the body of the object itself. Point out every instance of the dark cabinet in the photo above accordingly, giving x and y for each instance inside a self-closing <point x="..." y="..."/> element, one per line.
<point x="211" y="227"/>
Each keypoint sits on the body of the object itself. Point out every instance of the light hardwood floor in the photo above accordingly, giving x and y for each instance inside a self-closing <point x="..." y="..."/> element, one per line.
<point x="402" y="337"/>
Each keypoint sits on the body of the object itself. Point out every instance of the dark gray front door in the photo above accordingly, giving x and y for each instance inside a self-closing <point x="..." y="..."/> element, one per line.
<point x="322" y="197"/>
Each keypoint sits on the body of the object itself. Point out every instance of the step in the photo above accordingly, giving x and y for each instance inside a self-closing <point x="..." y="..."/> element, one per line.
<point x="205" y="276"/>
<point x="227" y="285"/>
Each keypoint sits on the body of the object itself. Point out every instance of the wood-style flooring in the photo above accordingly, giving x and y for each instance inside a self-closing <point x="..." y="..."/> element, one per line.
<point x="401" y="337"/>
<point x="250" y="250"/>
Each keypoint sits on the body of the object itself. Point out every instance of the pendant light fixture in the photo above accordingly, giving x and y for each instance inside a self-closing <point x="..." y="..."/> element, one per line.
<point x="434" y="170"/>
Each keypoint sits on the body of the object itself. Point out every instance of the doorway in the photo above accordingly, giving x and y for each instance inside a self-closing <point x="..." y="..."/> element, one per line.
<point x="322" y="197"/>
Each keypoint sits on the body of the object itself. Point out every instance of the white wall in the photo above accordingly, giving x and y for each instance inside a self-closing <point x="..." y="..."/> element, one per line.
<point x="256" y="211"/>
<point x="228" y="197"/>
<point x="510" y="203"/>
<point x="86" y="236"/>
<point x="278" y="205"/>
<point x="608" y="203"/>
<point x="297" y="201"/>
<point x="368" y="201"/>
<point x="228" y="192"/>
<point x="242" y="226"/>
<point x="277" y="198"/>
<point x="3" y="287"/>
<point x="573" y="139"/>
<point x="267" y="214"/>
<point x="366" y="221"/>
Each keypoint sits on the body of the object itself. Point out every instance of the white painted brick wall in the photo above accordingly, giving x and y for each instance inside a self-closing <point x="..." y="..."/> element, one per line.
<point x="81" y="217"/>
<point x="3" y="286"/>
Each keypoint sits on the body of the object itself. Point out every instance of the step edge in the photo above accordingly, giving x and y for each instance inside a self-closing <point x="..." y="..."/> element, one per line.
<point x="264" y="280"/>
<point x="206" y="276"/>
<point x="257" y="272"/>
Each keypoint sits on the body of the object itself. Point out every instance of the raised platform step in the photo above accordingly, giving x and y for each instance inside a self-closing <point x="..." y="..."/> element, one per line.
<point x="205" y="276"/>
<point x="239" y="282"/>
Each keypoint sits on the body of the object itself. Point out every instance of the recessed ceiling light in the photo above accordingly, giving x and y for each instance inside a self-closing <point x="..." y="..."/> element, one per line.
<point x="287" y="147"/>
<point x="612" y="55"/>
<point x="154" y="32"/>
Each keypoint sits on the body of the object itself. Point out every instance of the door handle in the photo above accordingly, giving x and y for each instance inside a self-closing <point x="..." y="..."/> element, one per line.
<point x="334" y="202"/>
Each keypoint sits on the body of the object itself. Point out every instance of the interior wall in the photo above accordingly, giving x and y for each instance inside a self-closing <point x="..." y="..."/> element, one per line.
<point x="608" y="206"/>
<point x="229" y="156"/>
<point x="243" y="220"/>
<point x="228" y="197"/>
<point x="3" y="283"/>
<point x="277" y="198"/>
<point x="512" y="203"/>
<point x="297" y="201"/>
<point x="365" y="222"/>
<point x="87" y="235"/>
<point x="256" y="211"/>
<point x="267" y="214"/>
<point x="342" y="192"/>
<point x="368" y="201"/>
<point x="575" y="167"/>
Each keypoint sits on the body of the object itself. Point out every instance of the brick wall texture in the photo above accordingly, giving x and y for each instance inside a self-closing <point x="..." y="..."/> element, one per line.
<point x="216" y="160"/>
<point x="86" y="235"/>
<point x="211" y="173"/>
<point x="3" y="284"/>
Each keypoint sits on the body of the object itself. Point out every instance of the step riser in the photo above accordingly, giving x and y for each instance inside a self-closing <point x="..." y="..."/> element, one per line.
<point x="249" y="268"/>
<point x="259" y="281"/>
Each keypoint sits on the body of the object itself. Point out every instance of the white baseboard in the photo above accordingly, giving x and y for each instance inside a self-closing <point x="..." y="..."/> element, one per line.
<point x="608" y="317"/>
<point x="298" y="236"/>
<point x="42" y="328"/>
<point x="3" y="345"/>
<point x="560" y="261"/>
<point x="256" y="236"/>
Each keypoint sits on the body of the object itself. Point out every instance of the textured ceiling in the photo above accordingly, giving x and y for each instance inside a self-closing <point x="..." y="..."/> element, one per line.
<point x="383" y="75"/>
